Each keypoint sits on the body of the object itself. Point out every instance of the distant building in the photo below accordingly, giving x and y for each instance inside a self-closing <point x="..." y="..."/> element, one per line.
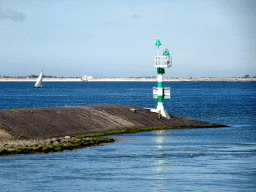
<point x="86" y="78"/>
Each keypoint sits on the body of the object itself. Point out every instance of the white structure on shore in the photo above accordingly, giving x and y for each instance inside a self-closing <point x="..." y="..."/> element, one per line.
<point x="86" y="78"/>
<point x="160" y="93"/>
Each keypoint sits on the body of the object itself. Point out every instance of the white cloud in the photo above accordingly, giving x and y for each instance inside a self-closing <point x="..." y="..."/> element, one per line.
<point x="8" y="13"/>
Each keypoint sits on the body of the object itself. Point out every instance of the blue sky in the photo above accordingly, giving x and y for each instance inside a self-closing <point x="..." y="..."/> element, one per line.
<point x="211" y="38"/>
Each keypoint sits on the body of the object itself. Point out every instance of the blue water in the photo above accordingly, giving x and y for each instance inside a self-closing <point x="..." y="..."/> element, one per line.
<point x="213" y="159"/>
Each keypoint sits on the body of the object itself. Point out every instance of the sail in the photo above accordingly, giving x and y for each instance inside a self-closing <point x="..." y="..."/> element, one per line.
<point x="39" y="81"/>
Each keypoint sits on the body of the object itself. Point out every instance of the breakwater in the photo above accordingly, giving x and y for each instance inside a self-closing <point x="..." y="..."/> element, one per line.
<point x="69" y="125"/>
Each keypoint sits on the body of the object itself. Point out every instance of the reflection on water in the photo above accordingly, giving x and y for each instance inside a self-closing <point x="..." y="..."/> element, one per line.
<point x="160" y="162"/>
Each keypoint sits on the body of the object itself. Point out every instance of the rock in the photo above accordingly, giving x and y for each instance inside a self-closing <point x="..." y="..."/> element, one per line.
<point x="159" y="115"/>
<point x="67" y="137"/>
<point x="133" y="110"/>
<point x="74" y="139"/>
<point x="55" y="143"/>
<point x="62" y="140"/>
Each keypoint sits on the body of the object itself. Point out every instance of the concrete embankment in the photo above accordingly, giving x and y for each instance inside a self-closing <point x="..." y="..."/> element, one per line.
<point x="37" y="124"/>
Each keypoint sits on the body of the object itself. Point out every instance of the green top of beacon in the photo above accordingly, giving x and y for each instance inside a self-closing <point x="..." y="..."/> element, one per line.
<point x="158" y="42"/>
<point x="166" y="52"/>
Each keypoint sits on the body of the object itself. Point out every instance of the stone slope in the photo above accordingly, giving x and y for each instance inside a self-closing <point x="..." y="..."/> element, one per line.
<point x="49" y="122"/>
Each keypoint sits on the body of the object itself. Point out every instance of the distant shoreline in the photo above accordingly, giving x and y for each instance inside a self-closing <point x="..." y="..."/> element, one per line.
<point x="126" y="79"/>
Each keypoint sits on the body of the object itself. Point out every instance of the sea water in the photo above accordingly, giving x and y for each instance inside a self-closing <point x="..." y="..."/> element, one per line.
<point x="210" y="159"/>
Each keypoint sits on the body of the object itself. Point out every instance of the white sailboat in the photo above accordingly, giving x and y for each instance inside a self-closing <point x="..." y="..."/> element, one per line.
<point x="39" y="81"/>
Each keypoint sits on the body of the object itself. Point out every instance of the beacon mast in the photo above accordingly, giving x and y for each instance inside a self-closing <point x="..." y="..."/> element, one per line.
<point x="160" y="93"/>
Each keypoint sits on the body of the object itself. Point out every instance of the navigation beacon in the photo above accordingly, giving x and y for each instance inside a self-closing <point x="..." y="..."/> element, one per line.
<point x="160" y="93"/>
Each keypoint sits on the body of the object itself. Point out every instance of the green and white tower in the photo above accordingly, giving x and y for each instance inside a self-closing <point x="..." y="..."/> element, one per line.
<point x="160" y="93"/>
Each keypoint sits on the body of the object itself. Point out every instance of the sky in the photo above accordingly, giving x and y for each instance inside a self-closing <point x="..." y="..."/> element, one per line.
<point x="113" y="38"/>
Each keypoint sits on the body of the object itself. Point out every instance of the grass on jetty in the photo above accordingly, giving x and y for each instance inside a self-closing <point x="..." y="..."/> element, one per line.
<point x="14" y="110"/>
<point x="56" y="147"/>
<point x="124" y="131"/>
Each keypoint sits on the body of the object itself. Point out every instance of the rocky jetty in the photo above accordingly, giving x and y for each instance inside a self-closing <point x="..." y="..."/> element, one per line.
<point x="64" y="127"/>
